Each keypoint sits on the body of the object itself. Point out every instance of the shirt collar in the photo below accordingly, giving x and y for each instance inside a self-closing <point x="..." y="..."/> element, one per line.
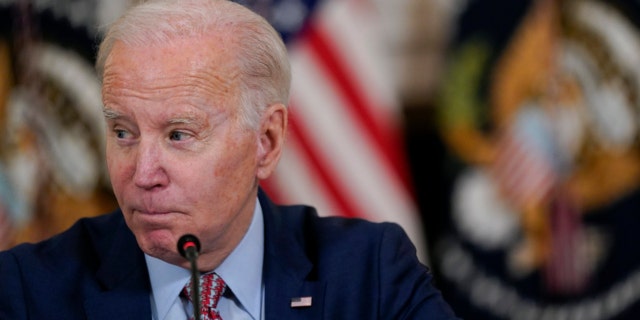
<point x="241" y="271"/>
<point x="167" y="280"/>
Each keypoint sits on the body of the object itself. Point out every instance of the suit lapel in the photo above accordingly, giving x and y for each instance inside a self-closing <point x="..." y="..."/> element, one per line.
<point x="124" y="291"/>
<point x="288" y="272"/>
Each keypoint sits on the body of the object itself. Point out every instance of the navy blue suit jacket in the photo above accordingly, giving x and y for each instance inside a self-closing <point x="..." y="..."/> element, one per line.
<point x="352" y="269"/>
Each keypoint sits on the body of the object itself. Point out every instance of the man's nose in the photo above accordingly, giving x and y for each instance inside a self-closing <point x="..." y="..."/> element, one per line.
<point x="150" y="172"/>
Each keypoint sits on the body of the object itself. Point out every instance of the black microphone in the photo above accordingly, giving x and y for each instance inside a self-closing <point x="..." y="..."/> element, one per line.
<point x="189" y="248"/>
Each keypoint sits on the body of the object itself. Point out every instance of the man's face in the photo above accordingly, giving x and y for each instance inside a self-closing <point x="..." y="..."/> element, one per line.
<point x="179" y="158"/>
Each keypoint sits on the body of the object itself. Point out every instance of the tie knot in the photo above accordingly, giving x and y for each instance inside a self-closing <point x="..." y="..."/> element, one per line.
<point x="211" y="289"/>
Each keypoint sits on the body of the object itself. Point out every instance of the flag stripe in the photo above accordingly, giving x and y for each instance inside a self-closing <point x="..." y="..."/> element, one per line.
<point x="297" y="182"/>
<point x="313" y="158"/>
<point x="385" y="137"/>
<point x="524" y="175"/>
<point x="352" y="157"/>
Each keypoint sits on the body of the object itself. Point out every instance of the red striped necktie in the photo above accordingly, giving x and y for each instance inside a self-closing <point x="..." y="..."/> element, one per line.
<point x="212" y="288"/>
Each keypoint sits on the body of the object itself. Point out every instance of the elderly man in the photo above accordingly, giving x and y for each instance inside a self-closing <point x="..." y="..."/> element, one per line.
<point x="195" y="96"/>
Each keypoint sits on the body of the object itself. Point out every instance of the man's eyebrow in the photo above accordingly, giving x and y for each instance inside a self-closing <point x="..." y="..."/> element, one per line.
<point x="111" y="114"/>
<point x="184" y="120"/>
<point x="188" y="118"/>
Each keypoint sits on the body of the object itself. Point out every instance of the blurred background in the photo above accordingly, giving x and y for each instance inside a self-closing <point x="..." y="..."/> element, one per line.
<point x="502" y="135"/>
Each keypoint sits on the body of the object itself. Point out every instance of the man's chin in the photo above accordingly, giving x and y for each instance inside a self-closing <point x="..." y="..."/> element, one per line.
<point x="167" y="255"/>
<point x="162" y="248"/>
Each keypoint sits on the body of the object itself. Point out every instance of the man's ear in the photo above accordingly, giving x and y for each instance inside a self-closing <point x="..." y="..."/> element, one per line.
<point x="273" y="130"/>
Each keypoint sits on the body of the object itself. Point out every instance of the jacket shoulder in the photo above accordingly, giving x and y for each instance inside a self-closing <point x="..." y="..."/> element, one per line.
<point x="331" y="238"/>
<point x="62" y="265"/>
<point x="83" y="239"/>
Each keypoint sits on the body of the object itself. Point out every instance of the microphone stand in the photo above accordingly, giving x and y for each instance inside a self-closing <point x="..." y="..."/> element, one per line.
<point x="189" y="246"/>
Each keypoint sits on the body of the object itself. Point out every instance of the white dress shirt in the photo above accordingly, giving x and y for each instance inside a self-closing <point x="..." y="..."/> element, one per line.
<point x="241" y="271"/>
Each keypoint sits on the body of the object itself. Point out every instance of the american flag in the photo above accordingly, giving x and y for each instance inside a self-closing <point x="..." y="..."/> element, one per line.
<point x="344" y="152"/>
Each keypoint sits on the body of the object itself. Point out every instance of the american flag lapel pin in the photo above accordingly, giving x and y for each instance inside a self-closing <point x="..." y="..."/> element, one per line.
<point x="301" y="302"/>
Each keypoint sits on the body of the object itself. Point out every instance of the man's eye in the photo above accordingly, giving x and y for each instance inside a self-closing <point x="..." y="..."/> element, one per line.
<point x="121" y="134"/>
<point x="177" y="136"/>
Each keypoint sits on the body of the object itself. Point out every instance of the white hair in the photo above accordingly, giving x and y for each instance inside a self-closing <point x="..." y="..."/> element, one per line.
<point x="265" y="73"/>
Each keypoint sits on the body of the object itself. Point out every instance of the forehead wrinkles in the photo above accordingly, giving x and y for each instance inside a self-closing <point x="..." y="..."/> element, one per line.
<point x="214" y="67"/>
<point x="196" y="79"/>
<point x="212" y="82"/>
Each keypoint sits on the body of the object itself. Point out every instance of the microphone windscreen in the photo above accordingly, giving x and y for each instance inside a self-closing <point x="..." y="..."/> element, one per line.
<point x="186" y="241"/>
